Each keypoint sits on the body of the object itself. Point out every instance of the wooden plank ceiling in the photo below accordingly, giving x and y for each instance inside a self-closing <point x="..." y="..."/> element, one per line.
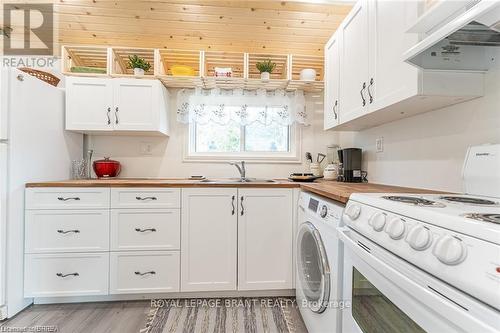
<point x="266" y="26"/>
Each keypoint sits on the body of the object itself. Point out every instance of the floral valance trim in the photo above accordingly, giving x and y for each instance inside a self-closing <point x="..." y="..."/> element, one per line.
<point x="241" y="106"/>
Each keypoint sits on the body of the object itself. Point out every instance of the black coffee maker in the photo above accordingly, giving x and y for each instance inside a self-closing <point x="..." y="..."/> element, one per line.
<point x="350" y="165"/>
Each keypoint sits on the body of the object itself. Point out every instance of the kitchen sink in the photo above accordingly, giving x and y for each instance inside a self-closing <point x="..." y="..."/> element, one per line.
<point x="237" y="180"/>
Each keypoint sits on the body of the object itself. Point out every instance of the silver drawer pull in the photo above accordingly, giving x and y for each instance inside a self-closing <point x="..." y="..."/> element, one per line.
<point x="66" y="199"/>
<point x="144" y="230"/>
<point x="76" y="231"/>
<point x="145" y="198"/>
<point x="65" y="275"/>
<point x="145" y="273"/>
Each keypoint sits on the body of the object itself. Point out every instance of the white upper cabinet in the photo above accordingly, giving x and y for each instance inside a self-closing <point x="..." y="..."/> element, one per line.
<point x="391" y="79"/>
<point x="376" y="85"/>
<point x="354" y="62"/>
<point x="88" y="104"/>
<point x="265" y="239"/>
<point x="332" y="78"/>
<point x="114" y="106"/>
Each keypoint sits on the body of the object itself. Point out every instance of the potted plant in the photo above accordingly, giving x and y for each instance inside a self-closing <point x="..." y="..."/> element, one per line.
<point x="140" y="65"/>
<point x="265" y="68"/>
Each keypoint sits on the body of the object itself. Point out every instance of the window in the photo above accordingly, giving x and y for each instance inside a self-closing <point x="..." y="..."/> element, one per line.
<point x="234" y="124"/>
<point x="229" y="141"/>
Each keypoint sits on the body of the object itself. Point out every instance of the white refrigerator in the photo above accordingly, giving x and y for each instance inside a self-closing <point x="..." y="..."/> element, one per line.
<point x="33" y="147"/>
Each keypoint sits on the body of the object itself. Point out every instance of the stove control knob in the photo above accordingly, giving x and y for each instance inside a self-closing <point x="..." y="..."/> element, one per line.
<point x="419" y="237"/>
<point x="352" y="211"/>
<point x="377" y="221"/>
<point x="395" y="228"/>
<point x="450" y="250"/>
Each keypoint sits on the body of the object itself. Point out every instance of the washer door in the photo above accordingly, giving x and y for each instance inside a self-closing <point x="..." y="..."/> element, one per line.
<point x="313" y="268"/>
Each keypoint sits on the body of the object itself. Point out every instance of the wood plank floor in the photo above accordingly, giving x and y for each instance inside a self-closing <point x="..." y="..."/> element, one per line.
<point x="106" y="317"/>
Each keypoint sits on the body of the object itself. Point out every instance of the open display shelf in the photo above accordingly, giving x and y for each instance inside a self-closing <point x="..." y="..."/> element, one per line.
<point x="280" y="72"/>
<point x="85" y="60"/>
<point x="112" y="61"/>
<point x="166" y="61"/>
<point x="120" y="58"/>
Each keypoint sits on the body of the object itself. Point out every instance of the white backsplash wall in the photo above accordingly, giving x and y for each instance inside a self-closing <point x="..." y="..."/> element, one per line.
<point x="428" y="150"/>
<point x="166" y="157"/>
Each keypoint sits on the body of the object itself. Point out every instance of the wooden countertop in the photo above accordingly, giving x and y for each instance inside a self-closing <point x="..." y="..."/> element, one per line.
<point x="156" y="182"/>
<point x="329" y="189"/>
<point x="341" y="191"/>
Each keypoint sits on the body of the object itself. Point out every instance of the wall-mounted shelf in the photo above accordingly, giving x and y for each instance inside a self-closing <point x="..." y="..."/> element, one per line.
<point x="112" y="61"/>
<point x="119" y="59"/>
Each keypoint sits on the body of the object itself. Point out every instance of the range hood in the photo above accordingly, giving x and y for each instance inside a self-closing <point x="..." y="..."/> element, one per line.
<point x="469" y="41"/>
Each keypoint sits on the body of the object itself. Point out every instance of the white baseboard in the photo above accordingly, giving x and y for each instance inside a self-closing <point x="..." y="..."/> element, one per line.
<point x="132" y="297"/>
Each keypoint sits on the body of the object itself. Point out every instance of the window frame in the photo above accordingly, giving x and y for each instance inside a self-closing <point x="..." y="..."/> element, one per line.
<point x="293" y="155"/>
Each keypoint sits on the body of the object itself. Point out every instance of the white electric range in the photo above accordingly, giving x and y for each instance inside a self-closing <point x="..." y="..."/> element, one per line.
<point x="447" y="245"/>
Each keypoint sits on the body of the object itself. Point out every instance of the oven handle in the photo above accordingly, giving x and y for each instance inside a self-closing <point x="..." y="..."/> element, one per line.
<point x="435" y="294"/>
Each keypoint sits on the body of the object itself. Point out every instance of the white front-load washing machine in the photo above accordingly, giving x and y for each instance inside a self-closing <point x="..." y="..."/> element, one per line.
<point x="319" y="264"/>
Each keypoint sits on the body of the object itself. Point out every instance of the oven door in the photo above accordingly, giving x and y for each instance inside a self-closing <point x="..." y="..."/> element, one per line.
<point x="387" y="294"/>
<point x="313" y="268"/>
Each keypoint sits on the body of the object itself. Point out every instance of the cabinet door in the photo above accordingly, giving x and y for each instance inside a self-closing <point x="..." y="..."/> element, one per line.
<point x="136" y="105"/>
<point x="354" y="62"/>
<point x="208" y="239"/>
<point x="88" y="104"/>
<point x="265" y="239"/>
<point x="391" y="79"/>
<point x="332" y="77"/>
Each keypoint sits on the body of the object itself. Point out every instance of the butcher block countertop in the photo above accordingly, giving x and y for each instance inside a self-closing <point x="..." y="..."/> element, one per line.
<point x="330" y="189"/>
<point x="341" y="191"/>
<point x="159" y="182"/>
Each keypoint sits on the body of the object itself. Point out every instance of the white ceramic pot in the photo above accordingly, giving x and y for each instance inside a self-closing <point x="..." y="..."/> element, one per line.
<point x="330" y="172"/>
<point x="308" y="74"/>
<point x="265" y="76"/>
<point x="138" y="71"/>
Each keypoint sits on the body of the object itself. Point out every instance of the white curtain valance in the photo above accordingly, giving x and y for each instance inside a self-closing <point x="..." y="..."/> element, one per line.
<point x="241" y="106"/>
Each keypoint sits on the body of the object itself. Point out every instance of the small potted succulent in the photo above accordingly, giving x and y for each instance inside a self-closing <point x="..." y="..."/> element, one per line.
<point x="139" y="65"/>
<point x="265" y="68"/>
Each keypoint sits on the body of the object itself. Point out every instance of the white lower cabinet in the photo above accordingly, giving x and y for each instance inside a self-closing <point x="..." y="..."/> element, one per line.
<point x="168" y="240"/>
<point x="144" y="272"/>
<point x="49" y="231"/>
<point x="145" y="229"/>
<point x="209" y="239"/>
<point x="236" y="239"/>
<point x="75" y="274"/>
<point x="265" y="239"/>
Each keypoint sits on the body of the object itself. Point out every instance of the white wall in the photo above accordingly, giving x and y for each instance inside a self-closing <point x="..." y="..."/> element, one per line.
<point x="427" y="150"/>
<point x="166" y="158"/>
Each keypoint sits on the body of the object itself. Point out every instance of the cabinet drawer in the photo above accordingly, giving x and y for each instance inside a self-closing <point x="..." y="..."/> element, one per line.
<point x="144" y="272"/>
<point x="145" y="197"/>
<point x="145" y="229"/>
<point x="50" y="275"/>
<point x="66" y="231"/>
<point x="67" y="198"/>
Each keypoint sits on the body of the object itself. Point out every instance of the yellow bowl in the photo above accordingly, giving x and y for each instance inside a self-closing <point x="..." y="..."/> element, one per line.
<point x="182" y="70"/>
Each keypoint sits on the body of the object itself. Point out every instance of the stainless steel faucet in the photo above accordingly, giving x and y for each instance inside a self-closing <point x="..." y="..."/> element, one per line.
<point x="241" y="169"/>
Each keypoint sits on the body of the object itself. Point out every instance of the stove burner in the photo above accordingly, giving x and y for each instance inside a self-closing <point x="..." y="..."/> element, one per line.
<point x="470" y="200"/>
<point x="492" y="218"/>
<point x="412" y="200"/>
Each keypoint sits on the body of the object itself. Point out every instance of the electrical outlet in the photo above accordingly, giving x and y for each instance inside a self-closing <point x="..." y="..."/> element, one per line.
<point x="146" y="148"/>
<point x="379" y="144"/>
